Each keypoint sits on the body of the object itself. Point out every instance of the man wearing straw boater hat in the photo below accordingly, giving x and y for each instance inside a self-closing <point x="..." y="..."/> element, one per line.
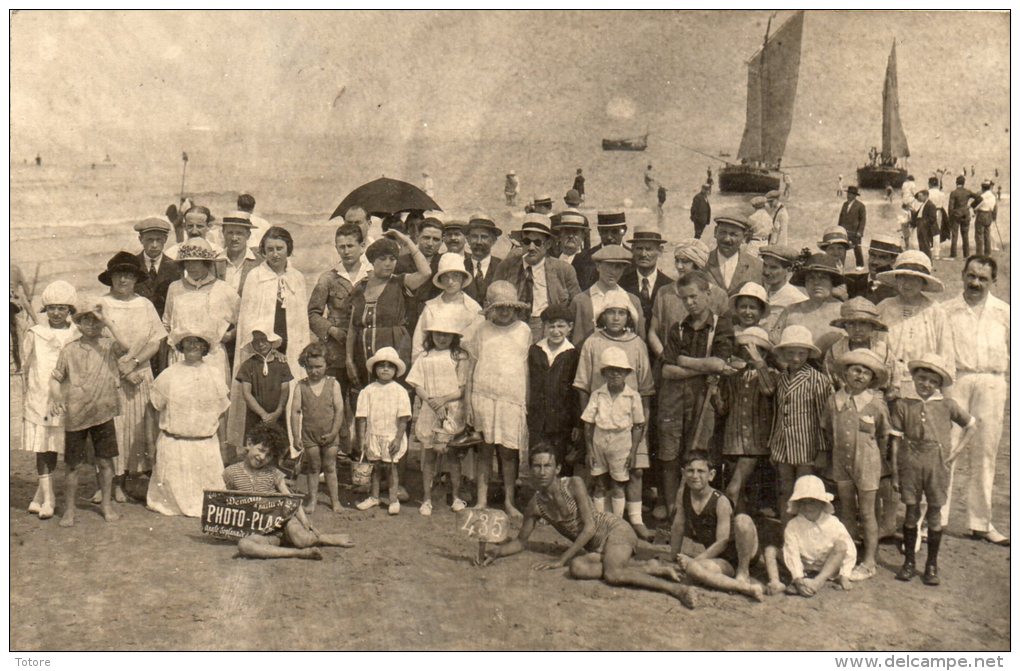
<point x="482" y="233"/>
<point x="160" y="269"/>
<point x="730" y="266"/>
<point x="540" y="280"/>
<point x="241" y="257"/>
<point x="780" y="219"/>
<point x="612" y="226"/>
<point x="853" y="217"/>
<point x="759" y="225"/>
<point x="643" y="279"/>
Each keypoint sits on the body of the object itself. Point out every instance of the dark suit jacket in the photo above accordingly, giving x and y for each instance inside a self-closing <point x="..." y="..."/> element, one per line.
<point x="631" y="283"/>
<point x="169" y="271"/>
<point x="561" y="280"/>
<point x="926" y="220"/>
<point x="584" y="267"/>
<point x="701" y="211"/>
<point x="748" y="270"/>
<point x="853" y="217"/>
<point x="477" y="289"/>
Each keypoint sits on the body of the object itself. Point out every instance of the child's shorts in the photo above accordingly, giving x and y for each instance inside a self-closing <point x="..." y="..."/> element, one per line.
<point x="379" y="449"/>
<point x="313" y="457"/>
<point x="104" y="443"/>
<point x="610" y="450"/>
<point x="922" y="472"/>
<point x="862" y="466"/>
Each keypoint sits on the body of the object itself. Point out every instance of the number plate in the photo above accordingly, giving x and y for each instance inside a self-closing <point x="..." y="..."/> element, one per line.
<point x="485" y="524"/>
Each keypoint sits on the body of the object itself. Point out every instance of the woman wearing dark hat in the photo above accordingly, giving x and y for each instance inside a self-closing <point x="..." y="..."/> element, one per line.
<point x="819" y="276"/>
<point x="378" y="305"/>
<point x="136" y="320"/>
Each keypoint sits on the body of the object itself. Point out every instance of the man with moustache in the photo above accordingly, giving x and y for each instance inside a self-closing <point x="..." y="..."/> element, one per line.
<point x="571" y="229"/>
<point x="980" y="325"/>
<point x="454" y="237"/>
<point x="882" y="252"/>
<point x="729" y="266"/>
<point x="643" y="279"/>
<point x="197" y="224"/>
<point x="612" y="227"/>
<point x="482" y="233"/>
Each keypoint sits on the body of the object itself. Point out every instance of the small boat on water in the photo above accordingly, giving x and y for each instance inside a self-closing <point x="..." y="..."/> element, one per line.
<point x="626" y="144"/>
<point x="882" y="170"/>
<point x="772" y="75"/>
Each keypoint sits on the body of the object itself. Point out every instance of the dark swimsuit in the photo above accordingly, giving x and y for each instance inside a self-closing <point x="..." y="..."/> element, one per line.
<point x="701" y="527"/>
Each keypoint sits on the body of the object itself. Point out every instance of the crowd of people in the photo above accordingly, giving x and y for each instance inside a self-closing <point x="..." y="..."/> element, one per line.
<point x="759" y="383"/>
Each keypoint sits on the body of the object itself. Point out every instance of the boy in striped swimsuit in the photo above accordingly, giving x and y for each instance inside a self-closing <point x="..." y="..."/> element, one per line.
<point x="258" y="474"/>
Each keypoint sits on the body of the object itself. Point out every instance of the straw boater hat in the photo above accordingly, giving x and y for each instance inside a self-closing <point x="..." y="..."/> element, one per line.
<point x="197" y="249"/>
<point x="386" y="354"/>
<point x="153" y="224"/>
<point x="738" y="221"/>
<point x="613" y="254"/>
<point x="545" y="200"/>
<point x="754" y="290"/>
<point x="451" y="262"/>
<point x="573" y="198"/>
<point x="614" y="357"/>
<point x="482" y="220"/>
<point x="59" y="292"/>
<point x="886" y="244"/>
<point x="693" y="250"/>
<point x="753" y="335"/>
<point x="818" y="263"/>
<point x="534" y="222"/>
<point x="123" y="262"/>
<point x="797" y="336"/>
<point x="502" y="294"/>
<point x="237" y="218"/>
<point x="868" y="359"/>
<point x="611" y="218"/>
<point x="782" y="253"/>
<point x="858" y="309"/>
<point x="912" y="263"/>
<point x="809" y="487"/>
<point x="571" y="219"/>
<point x="646" y="233"/>
<point x="933" y="362"/>
<point x="836" y="235"/>
<point x="620" y="300"/>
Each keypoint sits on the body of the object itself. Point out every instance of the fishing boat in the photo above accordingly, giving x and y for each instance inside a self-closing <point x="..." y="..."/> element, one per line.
<point x="883" y="169"/>
<point x="626" y="144"/>
<point x="771" y="91"/>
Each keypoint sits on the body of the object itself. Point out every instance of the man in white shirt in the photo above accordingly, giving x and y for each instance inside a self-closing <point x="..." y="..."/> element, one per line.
<point x="984" y="217"/>
<point x="237" y="228"/>
<point x="780" y="219"/>
<point x="482" y="233"/>
<point x="259" y="226"/>
<point x="980" y="326"/>
<point x="197" y="224"/>
<point x="941" y="202"/>
<point x="760" y="223"/>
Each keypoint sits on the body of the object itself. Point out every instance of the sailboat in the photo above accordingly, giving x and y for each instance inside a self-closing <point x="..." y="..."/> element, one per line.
<point x="771" y="91"/>
<point x="882" y="171"/>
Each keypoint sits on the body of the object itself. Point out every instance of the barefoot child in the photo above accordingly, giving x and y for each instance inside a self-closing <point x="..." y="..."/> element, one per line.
<point x="84" y="386"/>
<point x="728" y="542"/>
<point x="602" y="545"/>
<point x="860" y="431"/>
<point x="257" y="474"/>
<point x="921" y="457"/>
<point x="439" y="376"/>
<point x="265" y="381"/>
<point x="745" y="400"/>
<point x="384" y="409"/>
<point x="316" y="416"/>
<point x="803" y="395"/>
<point x="816" y="545"/>
<point x="613" y="423"/>
<point x="43" y="432"/>
<point x="497" y="389"/>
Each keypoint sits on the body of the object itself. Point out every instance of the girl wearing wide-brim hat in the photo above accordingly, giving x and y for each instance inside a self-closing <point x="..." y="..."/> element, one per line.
<point x="452" y="305"/>
<point x="917" y="323"/>
<point x="819" y="275"/>
<point x="136" y="320"/>
<point x="749" y="305"/>
<point x="802" y="397"/>
<point x="190" y="398"/>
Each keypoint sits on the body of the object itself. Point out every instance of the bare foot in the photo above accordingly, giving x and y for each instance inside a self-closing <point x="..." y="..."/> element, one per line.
<point x="756" y="591"/>
<point x="805" y="588"/>
<point x="118" y="495"/>
<point x="312" y="553"/>
<point x="309" y="509"/>
<point x="109" y="515"/>
<point x="774" y="588"/>
<point x="337" y="507"/>
<point x="343" y="541"/>
<point x="688" y="596"/>
<point x="514" y="514"/>
<point x="656" y="568"/>
<point x="67" y="520"/>
<point x="843" y="583"/>
<point x="683" y="561"/>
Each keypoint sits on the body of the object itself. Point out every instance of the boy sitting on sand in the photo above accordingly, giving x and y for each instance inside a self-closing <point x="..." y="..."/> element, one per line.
<point x="257" y="474"/>
<point x="816" y="545"/>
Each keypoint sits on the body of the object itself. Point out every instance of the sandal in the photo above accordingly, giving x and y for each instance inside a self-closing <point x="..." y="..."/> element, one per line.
<point x="862" y="572"/>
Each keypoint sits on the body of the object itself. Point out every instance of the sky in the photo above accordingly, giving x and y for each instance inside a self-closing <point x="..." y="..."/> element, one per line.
<point x="87" y="81"/>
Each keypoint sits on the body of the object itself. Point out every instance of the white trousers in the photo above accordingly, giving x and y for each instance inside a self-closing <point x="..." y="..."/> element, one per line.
<point x="983" y="395"/>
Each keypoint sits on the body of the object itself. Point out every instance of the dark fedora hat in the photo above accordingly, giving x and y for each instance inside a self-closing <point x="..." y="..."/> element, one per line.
<point x="123" y="262"/>
<point x="853" y="189"/>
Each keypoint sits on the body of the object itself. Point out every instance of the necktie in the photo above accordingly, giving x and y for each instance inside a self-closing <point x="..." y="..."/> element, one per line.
<point x="152" y="270"/>
<point x="528" y="290"/>
<point x="478" y="272"/>
<point x="646" y="292"/>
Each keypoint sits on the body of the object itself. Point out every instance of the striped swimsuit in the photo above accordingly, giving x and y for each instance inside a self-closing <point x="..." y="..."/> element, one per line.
<point x="238" y="479"/>
<point x="572" y="526"/>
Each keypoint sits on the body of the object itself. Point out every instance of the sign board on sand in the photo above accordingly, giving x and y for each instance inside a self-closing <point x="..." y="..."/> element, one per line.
<point x="235" y="515"/>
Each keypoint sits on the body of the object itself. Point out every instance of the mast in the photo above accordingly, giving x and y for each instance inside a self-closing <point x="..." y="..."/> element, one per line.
<point x="894" y="140"/>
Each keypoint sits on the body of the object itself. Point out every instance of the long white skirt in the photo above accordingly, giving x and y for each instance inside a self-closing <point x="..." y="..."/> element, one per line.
<point x="184" y="470"/>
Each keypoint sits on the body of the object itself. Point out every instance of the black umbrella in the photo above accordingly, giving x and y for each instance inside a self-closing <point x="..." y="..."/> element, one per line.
<point x="385" y="196"/>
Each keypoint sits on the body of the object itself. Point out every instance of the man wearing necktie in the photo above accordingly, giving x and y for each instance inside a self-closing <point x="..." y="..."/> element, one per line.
<point x="853" y="216"/>
<point x="162" y="271"/>
<point x="644" y="279"/>
<point x="482" y="234"/>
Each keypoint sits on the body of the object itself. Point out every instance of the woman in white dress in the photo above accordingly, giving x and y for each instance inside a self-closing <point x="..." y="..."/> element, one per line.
<point x="190" y="396"/>
<point x="273" y="293"/>
<point x="136" y="320"/>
